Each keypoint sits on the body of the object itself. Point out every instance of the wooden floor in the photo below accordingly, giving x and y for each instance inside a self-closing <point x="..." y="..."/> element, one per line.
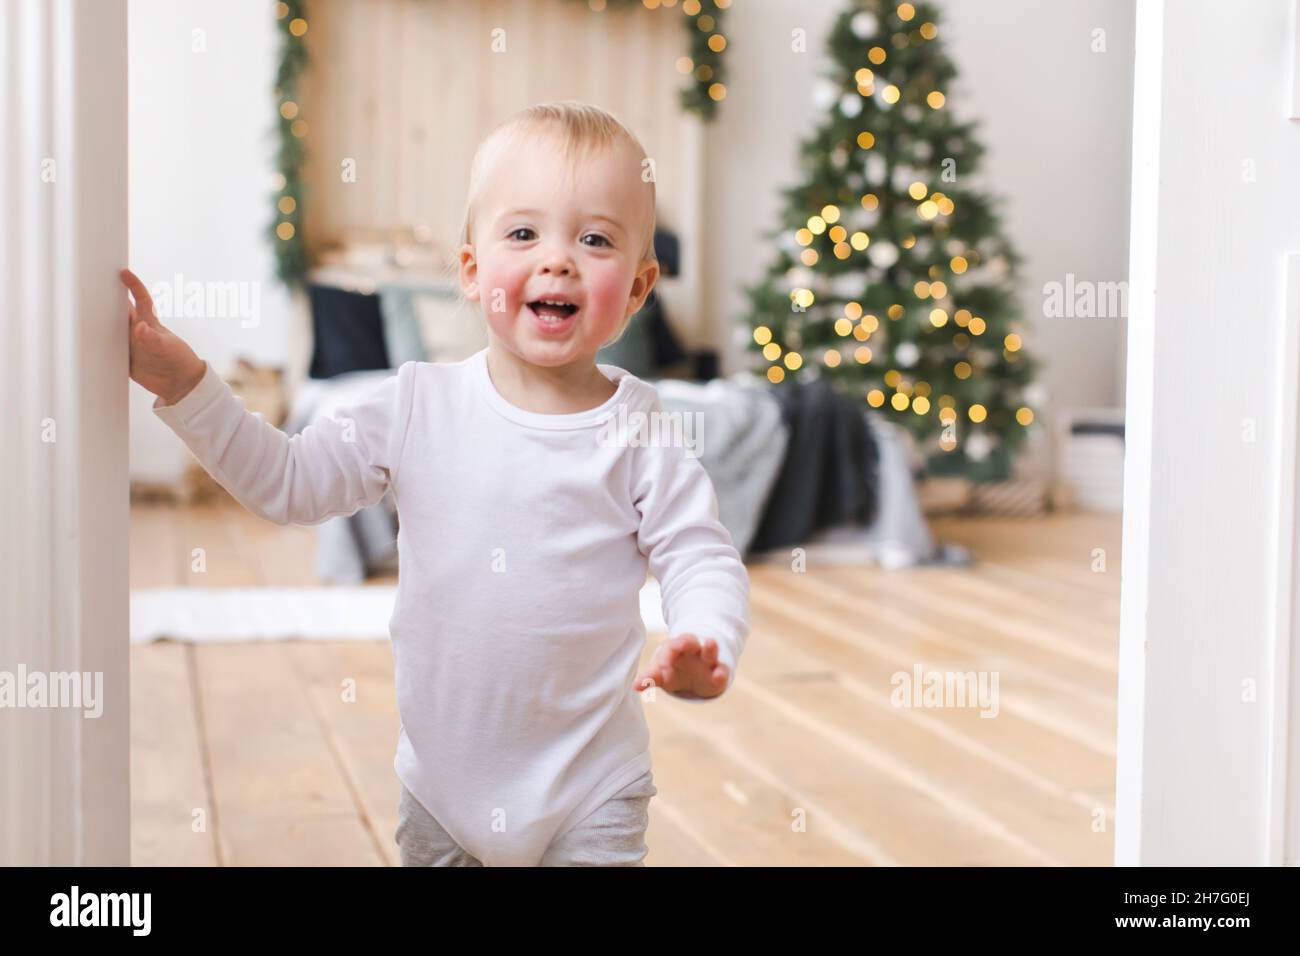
<point x="249" y="754"/>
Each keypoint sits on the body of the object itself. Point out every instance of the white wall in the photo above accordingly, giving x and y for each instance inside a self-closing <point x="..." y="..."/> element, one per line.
<point x="1056" y="124"/>
<point x="201" y="161"/>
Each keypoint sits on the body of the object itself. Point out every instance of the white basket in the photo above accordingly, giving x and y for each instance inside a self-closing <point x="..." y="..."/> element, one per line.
<point x="1092" y="465"/>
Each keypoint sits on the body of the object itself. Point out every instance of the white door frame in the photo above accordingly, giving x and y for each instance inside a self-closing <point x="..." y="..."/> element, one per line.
<point x="1210" y="497"/>
<point x="64" y="775"/>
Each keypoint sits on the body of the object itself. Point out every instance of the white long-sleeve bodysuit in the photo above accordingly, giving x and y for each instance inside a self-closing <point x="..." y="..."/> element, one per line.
<point x="524" y="541"/>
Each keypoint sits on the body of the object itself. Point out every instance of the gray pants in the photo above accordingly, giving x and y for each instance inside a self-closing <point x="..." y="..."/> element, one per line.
<point x="611" y="835"/>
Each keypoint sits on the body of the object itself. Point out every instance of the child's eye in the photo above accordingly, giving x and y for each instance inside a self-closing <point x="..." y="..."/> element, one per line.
<point x="514" y="234"/>
<point x="600" y="240"/>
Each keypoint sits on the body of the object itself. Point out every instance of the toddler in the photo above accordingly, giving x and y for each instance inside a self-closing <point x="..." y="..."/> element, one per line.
<point x="525" y="532"/>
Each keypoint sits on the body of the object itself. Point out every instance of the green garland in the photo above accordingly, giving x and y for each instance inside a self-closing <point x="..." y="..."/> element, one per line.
<point x="704" y="63"/>
<point x="706" y="42"/>
<point x="285" y="230"/>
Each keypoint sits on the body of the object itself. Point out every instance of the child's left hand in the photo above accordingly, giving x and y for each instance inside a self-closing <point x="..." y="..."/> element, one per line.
<point x="686" y="668"/>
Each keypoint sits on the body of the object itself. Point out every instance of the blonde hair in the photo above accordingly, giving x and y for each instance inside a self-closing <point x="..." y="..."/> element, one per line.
<point x="582" y="127"/>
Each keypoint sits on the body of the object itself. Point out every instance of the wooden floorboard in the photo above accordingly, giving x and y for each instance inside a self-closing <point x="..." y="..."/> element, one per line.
<point x="171" y="800"/>
<point x="282" y="753"/>
<point x="282" y="795"/>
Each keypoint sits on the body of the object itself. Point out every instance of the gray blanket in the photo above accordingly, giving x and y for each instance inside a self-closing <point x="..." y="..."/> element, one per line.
<point x="353" y="548"/>
<point x="742" y="443"/>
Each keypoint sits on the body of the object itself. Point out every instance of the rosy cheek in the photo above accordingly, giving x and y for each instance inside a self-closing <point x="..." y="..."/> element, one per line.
<point x="607" y="290"/>
<point x="501" y="290"/>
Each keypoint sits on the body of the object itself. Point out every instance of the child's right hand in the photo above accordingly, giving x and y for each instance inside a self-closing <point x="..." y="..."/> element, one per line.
<point x="161" y="361"/>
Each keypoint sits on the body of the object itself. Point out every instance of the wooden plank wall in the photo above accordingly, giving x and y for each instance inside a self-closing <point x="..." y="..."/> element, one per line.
<point x="408" y="88"/>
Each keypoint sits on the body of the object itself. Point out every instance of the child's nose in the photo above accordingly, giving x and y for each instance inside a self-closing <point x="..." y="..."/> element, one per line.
<point x="556" y="262"/>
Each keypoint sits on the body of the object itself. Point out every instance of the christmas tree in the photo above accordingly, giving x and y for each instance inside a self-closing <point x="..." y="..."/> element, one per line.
<point x="892" y="278"/>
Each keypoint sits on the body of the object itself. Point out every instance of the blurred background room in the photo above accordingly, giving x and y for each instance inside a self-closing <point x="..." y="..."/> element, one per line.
<point x="894" y="241"/>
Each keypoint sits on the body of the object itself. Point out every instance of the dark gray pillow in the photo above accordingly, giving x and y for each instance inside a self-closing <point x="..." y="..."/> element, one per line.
<point x="347" y="331"/>
<point x="634" y="351"/>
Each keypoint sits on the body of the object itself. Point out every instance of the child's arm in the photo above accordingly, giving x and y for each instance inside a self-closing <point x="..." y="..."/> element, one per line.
<point x="702" y="580"/>
<point x="334" y="467"/>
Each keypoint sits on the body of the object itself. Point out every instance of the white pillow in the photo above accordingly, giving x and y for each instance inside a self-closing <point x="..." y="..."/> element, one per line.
<point x="451" y="330"/>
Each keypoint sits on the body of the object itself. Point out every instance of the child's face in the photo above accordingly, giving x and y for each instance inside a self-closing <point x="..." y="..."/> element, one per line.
<point x="546" y="230"/>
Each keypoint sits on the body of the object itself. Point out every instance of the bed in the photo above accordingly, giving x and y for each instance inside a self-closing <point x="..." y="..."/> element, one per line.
<point x="793" y="467"/>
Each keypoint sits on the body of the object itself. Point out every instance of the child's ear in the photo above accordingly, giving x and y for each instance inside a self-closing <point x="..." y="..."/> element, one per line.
<point x="644" y="280"/>
<point x="468" y="272"/>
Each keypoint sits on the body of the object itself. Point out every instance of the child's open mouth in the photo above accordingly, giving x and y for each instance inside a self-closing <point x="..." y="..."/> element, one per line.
<point x="553" y="315"/>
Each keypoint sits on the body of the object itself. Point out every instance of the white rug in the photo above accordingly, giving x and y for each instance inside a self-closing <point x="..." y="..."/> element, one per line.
<point x="273" y="614"/>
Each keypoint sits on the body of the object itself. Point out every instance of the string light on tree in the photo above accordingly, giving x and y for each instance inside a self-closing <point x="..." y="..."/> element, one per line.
<point x="883" y="272"/>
